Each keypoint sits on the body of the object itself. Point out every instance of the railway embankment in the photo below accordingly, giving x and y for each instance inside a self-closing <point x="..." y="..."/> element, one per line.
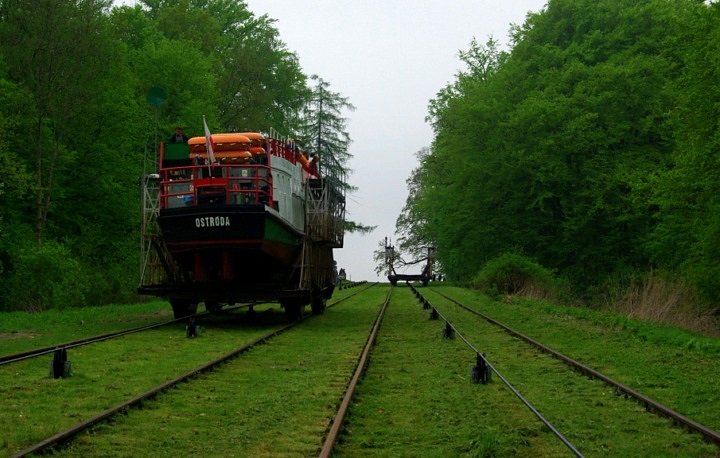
<point x="416" y="397"/>
<point x="675" y="367"/>
<point x="36" y="406"/>
<point x="20" y="331"/>
<point x="277" y="399"/>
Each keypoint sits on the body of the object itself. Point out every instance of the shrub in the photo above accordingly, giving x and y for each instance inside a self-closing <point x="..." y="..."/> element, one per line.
<point x="513" y="273"/>
<point x="46" y="277"/>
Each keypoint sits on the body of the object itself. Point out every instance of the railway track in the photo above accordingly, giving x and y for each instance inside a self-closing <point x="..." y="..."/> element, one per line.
<point x="70" y="433"/>
<point x="313" y="391"/>
<point x="650" y="404"/>
<point x="417" y="399"/>
<point x="46" y="350"/>
<point x="337" y="422"/>
<point x="483" y="369"/>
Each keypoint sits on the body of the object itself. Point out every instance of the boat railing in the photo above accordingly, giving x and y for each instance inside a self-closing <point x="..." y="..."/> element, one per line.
<point x="229" y="184"/>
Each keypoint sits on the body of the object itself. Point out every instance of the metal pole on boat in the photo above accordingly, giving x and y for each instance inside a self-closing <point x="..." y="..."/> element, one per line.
<point x="155" y="97"/>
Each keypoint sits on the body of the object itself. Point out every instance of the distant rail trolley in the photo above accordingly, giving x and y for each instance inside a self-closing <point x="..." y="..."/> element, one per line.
<point x="240" y="217"/>
<point x="425" y="276"/>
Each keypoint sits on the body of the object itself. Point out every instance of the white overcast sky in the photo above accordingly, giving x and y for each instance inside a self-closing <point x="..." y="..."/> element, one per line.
<point x="389" y="57"/>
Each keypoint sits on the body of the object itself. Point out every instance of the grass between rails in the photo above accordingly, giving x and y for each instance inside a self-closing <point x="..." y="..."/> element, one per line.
<point x="20" y="331"/>
<point x="588" y="412"/>
<point x="661" y="372"/>
<point x="657" y="360"/>
<point x="105" y="374"/>
<point x="416" y="399"/>
<point x="277" y="399"/>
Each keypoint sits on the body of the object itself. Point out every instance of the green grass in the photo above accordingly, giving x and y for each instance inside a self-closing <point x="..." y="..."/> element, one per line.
<point x="681" y="378"/>
<point x="20" y="331"/>
<point x="656" y="333"/>
<point x="416" y="399"/>
<point x="105" y="374"/>
<point x="277" y="399"/>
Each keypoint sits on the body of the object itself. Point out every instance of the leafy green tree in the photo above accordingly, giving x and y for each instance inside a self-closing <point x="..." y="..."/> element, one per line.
<point x="258" y="81"/>
<point x="80" y="125"/>
<point x="15" y="179"/>
<point x="44" y="42"/>
<point x="187" y="78"/>
<point x="15" y="113"/>
<point x="550" y="149"/>
<point x="262" y="85"/>
<point x="482" y="62"/>
<point x="411" y="224"/>
<point x="685" y="197"/>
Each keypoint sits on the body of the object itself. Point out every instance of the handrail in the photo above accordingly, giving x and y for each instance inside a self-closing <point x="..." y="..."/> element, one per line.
<point x="257" y="184"/>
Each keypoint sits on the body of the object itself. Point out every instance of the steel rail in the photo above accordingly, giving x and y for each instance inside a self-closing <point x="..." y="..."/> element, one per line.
<point x="337" y="421"/>
<point x="137" y="400"/>
<point x="650" y="404"/>
<point x="68" y="434"/>
<point x="509" y="385"/>
<point x="29" y="354"/>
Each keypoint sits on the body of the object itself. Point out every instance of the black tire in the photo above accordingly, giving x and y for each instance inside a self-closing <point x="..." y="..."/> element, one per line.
<point x="183" y="308"/>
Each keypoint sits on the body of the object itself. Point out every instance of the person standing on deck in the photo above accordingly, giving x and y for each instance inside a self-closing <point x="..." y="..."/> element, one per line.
<point x="179" y="136"/>
<point x="314" y="158"/>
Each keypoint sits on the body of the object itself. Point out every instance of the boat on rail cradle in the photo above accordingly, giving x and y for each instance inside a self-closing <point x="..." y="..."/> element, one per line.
<point x="240" y="217"/>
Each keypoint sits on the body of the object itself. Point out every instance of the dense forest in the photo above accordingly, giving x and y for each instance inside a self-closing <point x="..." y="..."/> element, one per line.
<point x="591" y="147"/>
<point x="87" y="88"/>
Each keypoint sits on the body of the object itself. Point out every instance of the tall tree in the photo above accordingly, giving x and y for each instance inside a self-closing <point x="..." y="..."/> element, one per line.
<point x="323" y="132"/>
<point x="411" y="224"/>
<point x="324" y="128"/>
<point x="259" y="82"/>
<point x="262" y="85"/>
<point x="57" y="49"/>
<point x="685" y="203"/>
<point x="15" y="180"/>
<point x="550" y="148"/>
